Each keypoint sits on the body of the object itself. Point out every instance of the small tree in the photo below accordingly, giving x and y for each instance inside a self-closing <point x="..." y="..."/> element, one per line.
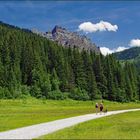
<point x="79" y="94"/>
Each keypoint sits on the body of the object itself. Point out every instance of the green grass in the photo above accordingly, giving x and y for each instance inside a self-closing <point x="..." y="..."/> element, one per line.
<point x="19" y="113"/>
<point x="120" y="126"/>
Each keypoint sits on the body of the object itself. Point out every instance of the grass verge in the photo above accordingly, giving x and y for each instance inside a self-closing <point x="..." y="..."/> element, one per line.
<point x="120" y="126"/>
<point x="20" y="113"/>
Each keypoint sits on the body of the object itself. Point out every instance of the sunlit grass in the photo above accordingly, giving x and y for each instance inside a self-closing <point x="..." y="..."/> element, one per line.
<point x="120" y="126"/>
<point x="19" y="113"/>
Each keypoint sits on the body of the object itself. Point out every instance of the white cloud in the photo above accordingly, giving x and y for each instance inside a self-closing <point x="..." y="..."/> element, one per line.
<point x="121" y="48"/>
<point x="89" y="27"/>
<point x="105" y="50"/>
<point x="135" y="43"/>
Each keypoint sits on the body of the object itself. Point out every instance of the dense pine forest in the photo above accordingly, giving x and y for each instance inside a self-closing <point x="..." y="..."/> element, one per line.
<point x="31" y="65"/>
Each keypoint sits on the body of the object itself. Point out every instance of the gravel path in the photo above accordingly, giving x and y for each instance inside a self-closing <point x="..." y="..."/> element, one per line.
<point x="37" y="130"/>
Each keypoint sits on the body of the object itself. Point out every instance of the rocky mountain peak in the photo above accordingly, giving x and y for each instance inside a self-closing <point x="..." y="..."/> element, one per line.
<point x="70" y="39"/>
<point x="58" y="29"/>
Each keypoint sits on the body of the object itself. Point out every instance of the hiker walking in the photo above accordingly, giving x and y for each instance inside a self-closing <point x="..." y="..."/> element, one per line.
<point x="101" y="108"/>
<point x="96" y="107"/>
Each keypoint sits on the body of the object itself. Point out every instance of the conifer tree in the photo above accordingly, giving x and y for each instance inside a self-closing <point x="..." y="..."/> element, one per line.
<point x="91" y="85"/>
<point x="78" y="68"/>
<point x="100" y="77"/>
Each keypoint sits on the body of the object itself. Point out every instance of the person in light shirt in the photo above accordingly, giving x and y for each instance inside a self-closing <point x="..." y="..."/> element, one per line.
<point x="96" y="107"/>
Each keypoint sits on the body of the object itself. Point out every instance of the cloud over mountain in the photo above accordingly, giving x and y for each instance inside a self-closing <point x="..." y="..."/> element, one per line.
<point x="89" y="27"/>
<point x="105" y="50"/>
<point x="135" y="43"/>
<point x="121" y="48"/>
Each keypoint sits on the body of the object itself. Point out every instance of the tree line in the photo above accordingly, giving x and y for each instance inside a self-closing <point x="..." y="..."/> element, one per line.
<point x="31" y="65"/>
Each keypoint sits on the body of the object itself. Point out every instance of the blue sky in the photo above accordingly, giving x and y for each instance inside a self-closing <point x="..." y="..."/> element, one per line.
<point x="44" y="15"/>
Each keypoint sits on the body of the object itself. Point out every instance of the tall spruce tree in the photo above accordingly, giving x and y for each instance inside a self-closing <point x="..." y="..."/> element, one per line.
<point x="78" y="69"/>
<point x="100" y="77"/>
<point x="91" y="85"/>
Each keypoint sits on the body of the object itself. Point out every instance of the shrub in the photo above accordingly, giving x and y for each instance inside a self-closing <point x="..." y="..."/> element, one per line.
<point x="79" y="94"/>
<point x="98" y="96"/>
<point x="5" y="93"/>
<point x="2" y="95"/>
<point x="120" y="96"/>
<point x="56" y="95"/>
<point x="35" y="91"/>
<point x="25" y="90"/>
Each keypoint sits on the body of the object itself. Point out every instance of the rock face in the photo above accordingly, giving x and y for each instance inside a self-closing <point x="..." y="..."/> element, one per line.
<point x="70" y="39"/>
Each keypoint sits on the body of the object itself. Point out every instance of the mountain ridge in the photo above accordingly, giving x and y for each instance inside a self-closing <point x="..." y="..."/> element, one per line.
<point x="63" y="37"/>
<point x="131" y="55"/>
<point x="69" y="39"/>
<point x="128" y="54"/>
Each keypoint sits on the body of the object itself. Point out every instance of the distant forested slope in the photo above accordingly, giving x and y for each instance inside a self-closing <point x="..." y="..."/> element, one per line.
<point x="128" y="53"/>
<point x="33" y="65"/>
<point x="131" y="55"/>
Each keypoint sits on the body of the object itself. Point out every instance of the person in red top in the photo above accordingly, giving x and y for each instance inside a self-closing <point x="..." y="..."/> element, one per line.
<point x="101" y="108"/>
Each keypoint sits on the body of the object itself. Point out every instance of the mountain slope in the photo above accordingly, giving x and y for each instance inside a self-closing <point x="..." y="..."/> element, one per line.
<point x="128" y="54"/>
<point x="69" y="39"/>
<point x="131" y="55"/>
<point x="33" y="65"/>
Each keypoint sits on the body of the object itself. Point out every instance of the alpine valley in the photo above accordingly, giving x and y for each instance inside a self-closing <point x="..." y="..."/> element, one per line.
<point x="61" y="64"/>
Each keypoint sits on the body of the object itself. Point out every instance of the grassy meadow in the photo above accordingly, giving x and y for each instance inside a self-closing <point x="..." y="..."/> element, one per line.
<point x="120" y="126"/>
<point x="18" y="113"/>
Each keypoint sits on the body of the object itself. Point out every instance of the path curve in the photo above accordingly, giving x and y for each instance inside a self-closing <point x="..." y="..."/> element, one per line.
<point x="38" y="130"/>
